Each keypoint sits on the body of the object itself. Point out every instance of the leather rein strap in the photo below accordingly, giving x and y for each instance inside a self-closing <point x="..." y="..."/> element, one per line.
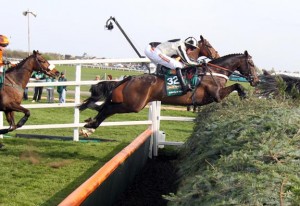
<point x="223" y="68"/>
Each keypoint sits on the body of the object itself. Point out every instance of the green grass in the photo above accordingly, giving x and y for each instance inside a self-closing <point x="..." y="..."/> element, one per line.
<point x="44" y="172"/>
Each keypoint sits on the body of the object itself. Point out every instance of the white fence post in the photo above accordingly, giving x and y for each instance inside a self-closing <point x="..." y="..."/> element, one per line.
<point x="77" y="101"/>
<point x="150" y="117"/>
<point x="155" y="125"/>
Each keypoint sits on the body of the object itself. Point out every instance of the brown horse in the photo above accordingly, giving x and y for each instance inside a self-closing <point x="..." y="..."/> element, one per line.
<point x="16" y="79"/>
<point x="134" y="93"/>
<point x="205" y="49"/>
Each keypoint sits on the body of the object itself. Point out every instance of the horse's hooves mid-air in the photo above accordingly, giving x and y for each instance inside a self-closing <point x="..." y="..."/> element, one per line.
<point x="88" y="120"/>
<point x="4" y="131"/>
<point x="86" y="132"/>
<point x="93" y="124"/>
<point x="243" y="95"/>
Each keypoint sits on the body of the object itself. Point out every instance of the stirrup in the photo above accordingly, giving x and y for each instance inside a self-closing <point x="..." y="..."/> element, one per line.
<point x="185" y="89"/>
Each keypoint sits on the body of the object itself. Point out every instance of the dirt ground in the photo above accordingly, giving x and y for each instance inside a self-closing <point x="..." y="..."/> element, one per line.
<point x="157" y="178"/>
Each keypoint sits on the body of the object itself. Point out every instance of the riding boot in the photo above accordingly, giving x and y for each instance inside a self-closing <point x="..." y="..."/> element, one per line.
<point x="185" y="88"/>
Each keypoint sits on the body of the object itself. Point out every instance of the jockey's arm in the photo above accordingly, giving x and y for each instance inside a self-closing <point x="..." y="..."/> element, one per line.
<point x="184" y="57"/>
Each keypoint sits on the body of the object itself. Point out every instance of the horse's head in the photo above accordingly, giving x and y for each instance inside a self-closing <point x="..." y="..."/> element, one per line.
<point x="41" y="64"/>
<point x="248" y="69"/>
<point x="206" y="49"/>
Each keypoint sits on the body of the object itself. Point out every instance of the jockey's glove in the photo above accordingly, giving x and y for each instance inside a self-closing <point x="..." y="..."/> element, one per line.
<point x="6" y="62"/>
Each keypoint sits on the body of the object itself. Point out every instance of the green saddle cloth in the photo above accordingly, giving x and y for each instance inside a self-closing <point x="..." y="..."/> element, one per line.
<point x="173" y="86"/>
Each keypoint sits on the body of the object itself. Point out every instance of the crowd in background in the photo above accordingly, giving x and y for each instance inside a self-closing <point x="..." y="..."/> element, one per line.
<point x="38" y="91"/>
<point x="61" y="90"/>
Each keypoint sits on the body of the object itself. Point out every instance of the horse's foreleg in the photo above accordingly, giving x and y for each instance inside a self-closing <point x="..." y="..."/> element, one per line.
<point x="224" y="92"/>
<point x="18" y="108"/>
<point x="24" y="119"/>
<point x="11" y="121"/>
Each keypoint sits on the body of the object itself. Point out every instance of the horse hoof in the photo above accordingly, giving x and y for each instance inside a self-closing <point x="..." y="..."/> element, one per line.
<point x="86" y="132"/>
<point x="4" y="131"/>
<point x="243" y="97"/>
<point x="91" y="125"/>
<point x="88" y="120"/>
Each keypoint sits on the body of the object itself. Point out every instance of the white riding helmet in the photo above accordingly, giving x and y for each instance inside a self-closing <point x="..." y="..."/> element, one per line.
<point x="191" y="41"/>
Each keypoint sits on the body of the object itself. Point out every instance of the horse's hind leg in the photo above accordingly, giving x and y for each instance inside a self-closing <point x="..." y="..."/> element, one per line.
<point x="11" y="121"/>
<point x="108" y="109"/>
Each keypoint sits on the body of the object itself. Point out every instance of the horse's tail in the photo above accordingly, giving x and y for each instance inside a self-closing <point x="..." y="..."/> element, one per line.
<point x="277" y="84"/>
<point x="100" y="91"/>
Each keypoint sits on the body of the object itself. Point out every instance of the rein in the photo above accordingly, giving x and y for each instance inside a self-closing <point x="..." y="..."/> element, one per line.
<point x="217" y="75"/>
<point x="223" y="68"/>
<point x="39" y="64"/>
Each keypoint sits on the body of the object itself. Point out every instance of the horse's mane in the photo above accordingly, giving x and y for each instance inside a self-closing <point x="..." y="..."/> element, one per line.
<point x="270" y="84"/>
<point x="18" y="65"/>
<point x="214" y="61"/>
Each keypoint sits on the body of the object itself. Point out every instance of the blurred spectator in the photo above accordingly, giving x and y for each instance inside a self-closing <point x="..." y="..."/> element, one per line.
<point x="62" y="89"/>
<point x="97" y="77"/>
<point x="50" y="90"/>
<point x="25" y="94"/>
<point x="39" y="76"/>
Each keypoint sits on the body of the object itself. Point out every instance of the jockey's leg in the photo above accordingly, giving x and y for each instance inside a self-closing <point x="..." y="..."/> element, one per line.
<point x="184" y="86"/>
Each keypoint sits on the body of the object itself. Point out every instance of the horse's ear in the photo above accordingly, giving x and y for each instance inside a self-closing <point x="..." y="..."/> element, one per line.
<point x="246" y="53"/>
<point x="201" y="38"/>
<point x="34" y="52"/>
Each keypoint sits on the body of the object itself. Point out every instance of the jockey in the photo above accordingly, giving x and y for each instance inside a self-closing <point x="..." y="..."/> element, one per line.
<point x="3" y="43"/>
<point x="161" y="53"/>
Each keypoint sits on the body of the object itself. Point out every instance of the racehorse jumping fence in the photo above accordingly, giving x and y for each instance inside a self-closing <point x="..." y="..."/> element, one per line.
<point x="154" y="117"/>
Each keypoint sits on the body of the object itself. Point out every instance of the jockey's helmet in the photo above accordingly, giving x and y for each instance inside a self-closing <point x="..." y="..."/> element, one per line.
<point x="191" y="42"/>
<point x="3" y="41"/>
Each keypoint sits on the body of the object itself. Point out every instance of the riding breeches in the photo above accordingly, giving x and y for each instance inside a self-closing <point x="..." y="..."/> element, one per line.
<point x="157" y="57"/>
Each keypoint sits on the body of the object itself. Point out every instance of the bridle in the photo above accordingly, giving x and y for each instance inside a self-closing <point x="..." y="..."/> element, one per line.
<point x="41" y="67"/>
<point x="249" y="77"/>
